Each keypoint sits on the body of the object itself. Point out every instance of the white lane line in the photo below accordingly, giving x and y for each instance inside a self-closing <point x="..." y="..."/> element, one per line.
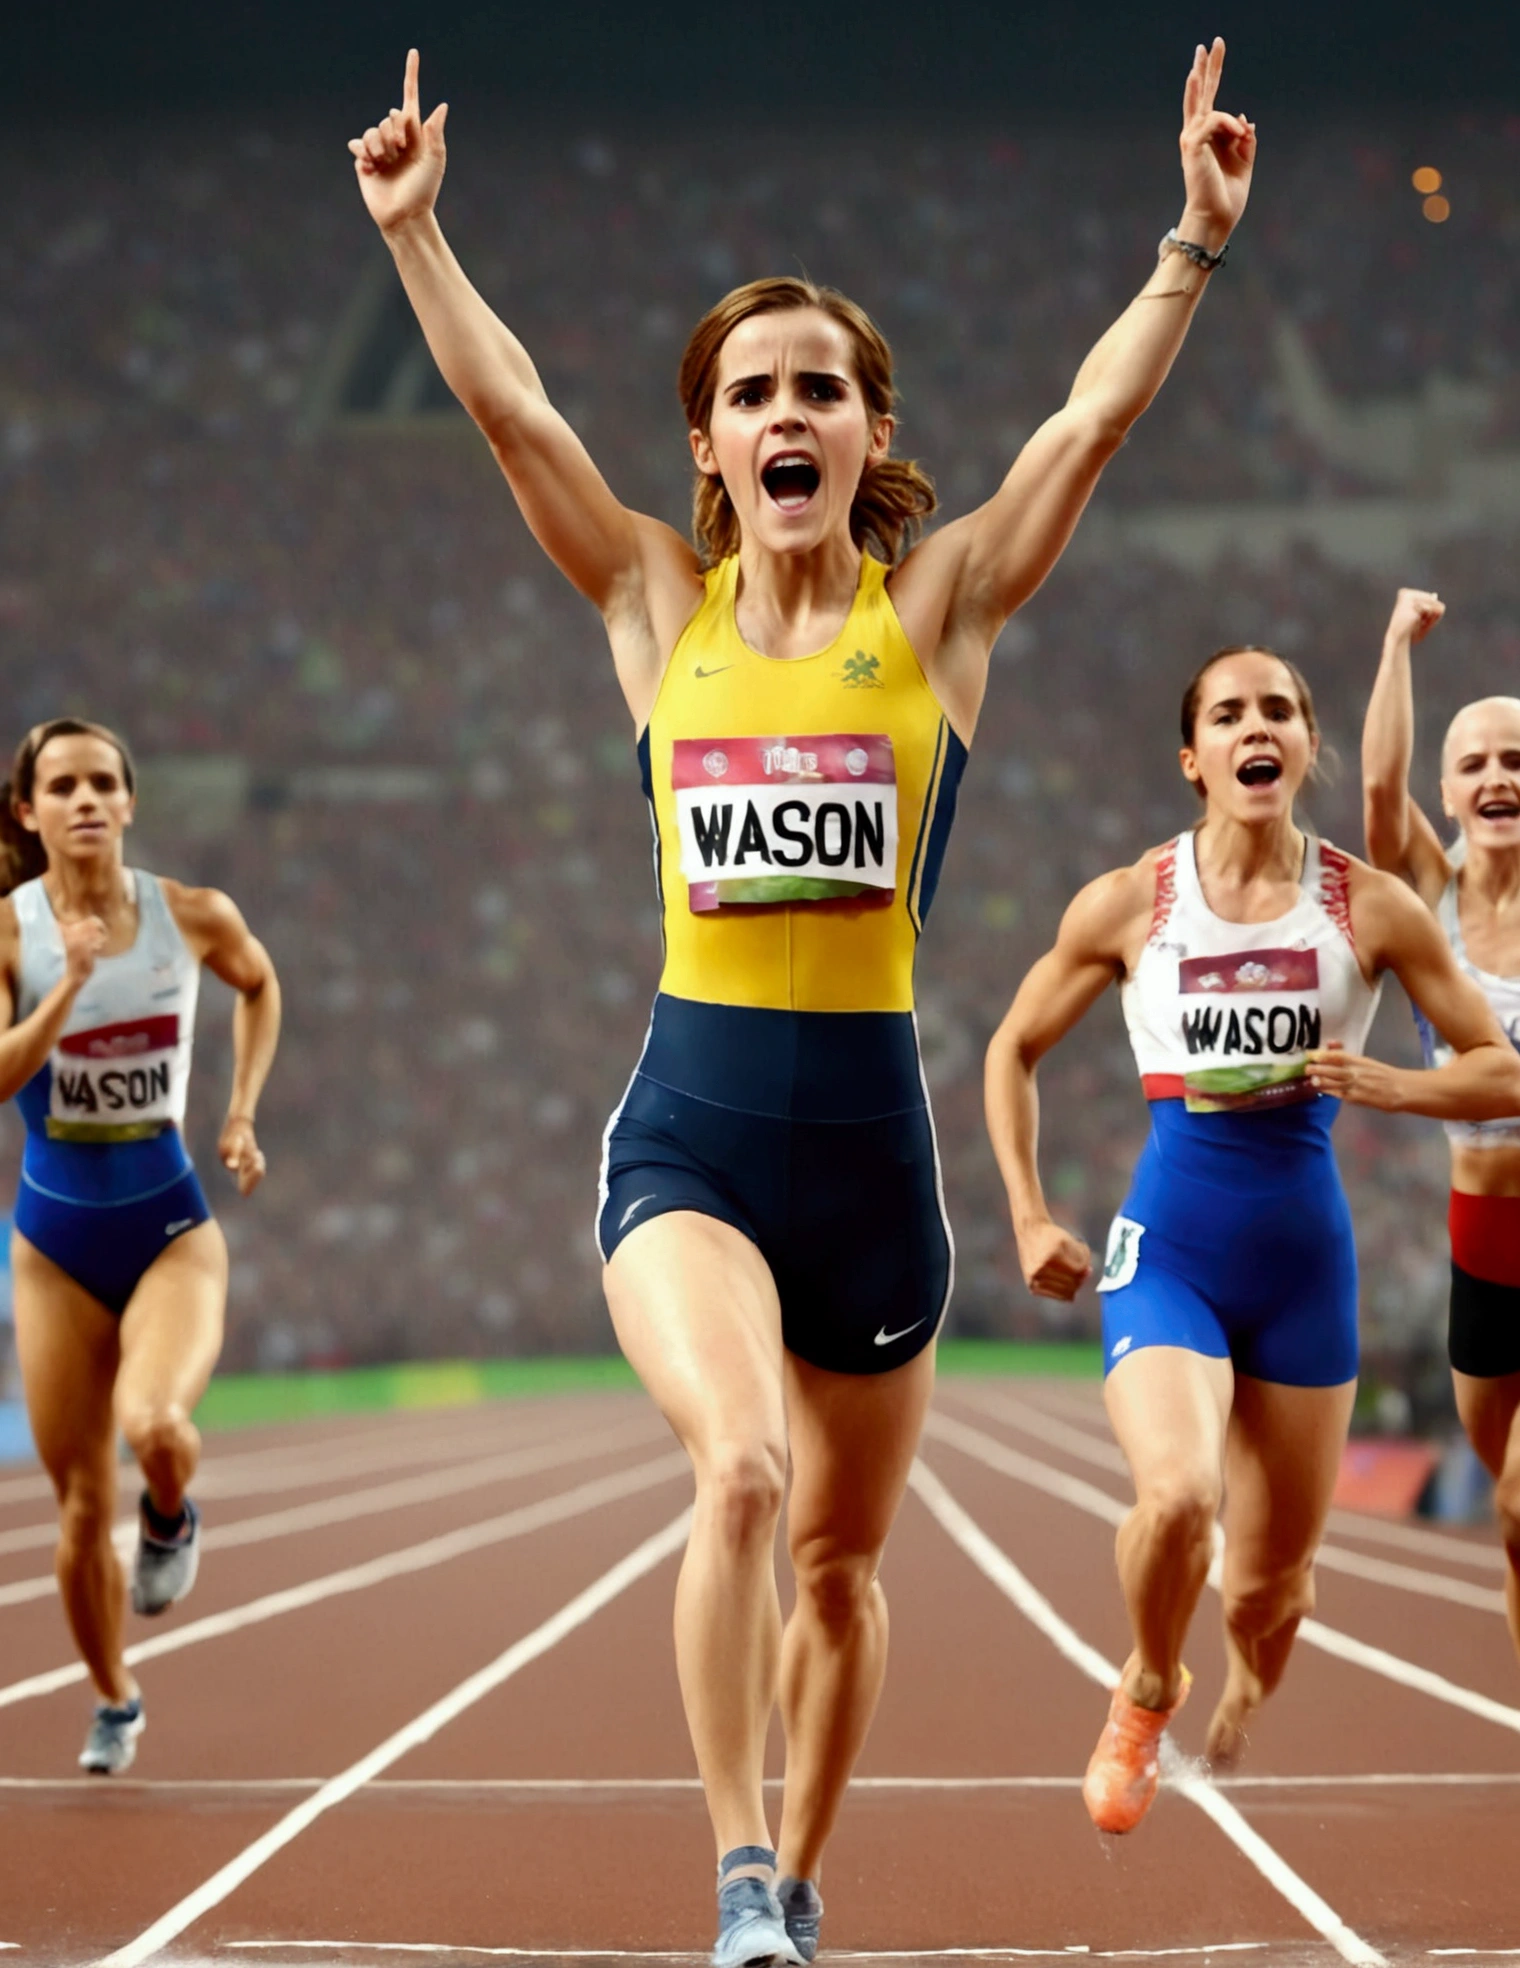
<point x="352" y="1504"/>
<point x="997" y="1566"/>
<point x="640" y="1786"/>
<point x="395" y="1564"/>
<point x="1370" y="1530"/>
<point x="835" y="1954"/>
<point x="1314" y="1633"/>
<point x="575" y="1613"/>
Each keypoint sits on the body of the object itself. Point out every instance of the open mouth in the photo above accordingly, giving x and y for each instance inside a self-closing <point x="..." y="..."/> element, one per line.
<point x="1260" y="772"/>
<point x="790" y="480"/>
<point x="1499" y="809"/>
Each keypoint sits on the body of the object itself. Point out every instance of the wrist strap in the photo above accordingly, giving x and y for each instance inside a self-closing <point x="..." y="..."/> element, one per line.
<point x="1190" y="249"/>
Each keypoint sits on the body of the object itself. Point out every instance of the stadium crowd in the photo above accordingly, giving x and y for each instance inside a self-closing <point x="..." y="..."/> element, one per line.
<point x="365" y="707"/>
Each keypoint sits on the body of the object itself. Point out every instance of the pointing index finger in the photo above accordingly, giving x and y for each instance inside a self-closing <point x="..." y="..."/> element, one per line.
<point x="409" y="88"/>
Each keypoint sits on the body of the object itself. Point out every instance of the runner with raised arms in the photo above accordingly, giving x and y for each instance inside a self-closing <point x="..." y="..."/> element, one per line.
<point x="1473" y="887"/>
<point x="804" y="691"/>
<point x="1248" y="955"/>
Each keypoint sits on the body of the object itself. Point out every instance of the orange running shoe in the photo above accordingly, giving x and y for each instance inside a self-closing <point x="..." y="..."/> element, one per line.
<point x="1123" y="1774"/>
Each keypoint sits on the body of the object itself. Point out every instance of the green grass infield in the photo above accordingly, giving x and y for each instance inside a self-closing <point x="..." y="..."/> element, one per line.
<point x="257" y="1400"/>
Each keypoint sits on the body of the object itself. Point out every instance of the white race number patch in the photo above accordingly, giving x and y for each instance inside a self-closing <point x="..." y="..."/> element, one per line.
<point x="1122" y="1258"/>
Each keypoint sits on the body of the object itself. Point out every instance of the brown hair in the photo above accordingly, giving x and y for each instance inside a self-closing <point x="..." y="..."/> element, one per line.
<point x="893" y="497"/>
<point x="1194" y="692"/>
<point x="22" y="855"/>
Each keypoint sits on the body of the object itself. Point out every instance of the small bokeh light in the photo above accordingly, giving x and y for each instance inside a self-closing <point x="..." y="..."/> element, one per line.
<point x="1437" y="209"/>
<point x="1426" y="179"/>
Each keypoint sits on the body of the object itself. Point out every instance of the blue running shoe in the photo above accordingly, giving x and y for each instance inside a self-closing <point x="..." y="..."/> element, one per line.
<point x="751" y="1931"/>
<point x="112" y="1741"/>
<point x="164" y="1568"/>
<point x="802" y="1910"/>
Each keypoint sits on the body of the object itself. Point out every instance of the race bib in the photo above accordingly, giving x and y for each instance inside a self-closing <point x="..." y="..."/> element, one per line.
<point x="115" y="1083"/>
<point x="1256" y="1013"/>
<point x="786" y="819"/>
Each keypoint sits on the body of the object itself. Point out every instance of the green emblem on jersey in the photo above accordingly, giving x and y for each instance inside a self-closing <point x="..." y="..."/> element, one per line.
<point x="1119" y="1250"/>
<point x="859" y="672"/>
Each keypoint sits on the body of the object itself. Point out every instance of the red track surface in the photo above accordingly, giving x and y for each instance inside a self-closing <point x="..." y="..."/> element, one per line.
<point x="556" y="1815"/>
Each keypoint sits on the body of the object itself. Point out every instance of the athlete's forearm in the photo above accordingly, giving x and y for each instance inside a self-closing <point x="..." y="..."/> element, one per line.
<point x="1012" y="1102"/>
<point x="479" y="357"/>
<point x="255" y="1034"/>
<point x="1480" y="1085"/>
<point x="1387" y="751"/>
<point x="25" y="1048"/>
<point x="1131" y="360"/>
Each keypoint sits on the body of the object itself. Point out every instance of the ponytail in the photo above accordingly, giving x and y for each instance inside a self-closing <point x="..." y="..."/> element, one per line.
<point x="21" y="852"/>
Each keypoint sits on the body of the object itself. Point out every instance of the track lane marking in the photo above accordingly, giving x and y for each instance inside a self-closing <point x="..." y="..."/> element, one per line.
<point x="988" y="1450"/>
<point x="352" y="1504"/>
<point x="1106" y="1455"/>
<point x="574" y="1613"/>
<point x="995" y="1564"/>
<point x="835" y="1954"/>
<point x="376" y="1571"/>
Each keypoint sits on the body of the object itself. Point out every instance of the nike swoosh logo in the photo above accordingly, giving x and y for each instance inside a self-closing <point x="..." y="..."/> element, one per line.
<point x="173" y="1229"/>
<point x="700" y="672"/>
<point x="884" y="1338"/>
<point x="632" y="1207"/>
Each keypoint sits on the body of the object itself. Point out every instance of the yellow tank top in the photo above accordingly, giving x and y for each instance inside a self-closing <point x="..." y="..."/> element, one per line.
<point x="801" y="809"/>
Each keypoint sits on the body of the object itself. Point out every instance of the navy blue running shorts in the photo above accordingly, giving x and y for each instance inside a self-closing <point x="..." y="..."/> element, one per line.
<point x="810" y="1134"/>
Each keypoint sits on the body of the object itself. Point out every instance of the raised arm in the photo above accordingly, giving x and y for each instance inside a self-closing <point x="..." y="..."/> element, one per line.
<point x="1400" y="838"/>
<point x="978" y="570"/>
<point x="1397" y="932"/>
<point x="213" y="926"/>
<point x="608" y="552"/>
<point x="1057" y="992"/>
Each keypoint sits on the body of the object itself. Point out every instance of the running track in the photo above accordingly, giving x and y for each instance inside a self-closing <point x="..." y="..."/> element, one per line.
<point x="422" y="1706"/>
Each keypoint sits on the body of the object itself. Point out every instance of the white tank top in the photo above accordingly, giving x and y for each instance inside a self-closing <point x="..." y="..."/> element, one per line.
<point x="1221" y="1014"/>
<point x="121" y="1068"/>
<point x="1503" y="993"/>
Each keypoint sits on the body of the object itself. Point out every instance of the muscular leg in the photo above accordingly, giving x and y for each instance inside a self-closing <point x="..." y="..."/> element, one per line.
<point x="171" y="1334"/>
<point x="695" y="1311"/>
<point x="1169" y="1409"/>
<point x="1490" y="1411"/>
<point x="853" y="1439"/>
<point x="68" y="1347"/>
<point x="1281" y="1460"/>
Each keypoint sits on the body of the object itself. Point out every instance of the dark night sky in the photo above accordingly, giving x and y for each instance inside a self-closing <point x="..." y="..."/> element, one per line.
<point x="781" y="57"/>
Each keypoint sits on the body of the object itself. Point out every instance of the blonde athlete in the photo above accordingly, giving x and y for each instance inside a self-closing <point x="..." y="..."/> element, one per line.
<point x="120" y="1270"/>
<point x="778" y="1262"/>
<point x="1248" y="955"/>
<point x="1474" y="889"/>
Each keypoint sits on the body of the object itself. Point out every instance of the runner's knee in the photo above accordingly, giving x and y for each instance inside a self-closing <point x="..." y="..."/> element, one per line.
<point x="741" y="1484"/>
<point x="835" y="1583"/>
<point x="1181" y="1507"/>
<point x="1507" y="1503"/>
<point x="86" y="1506"/>
<point x="158" y="1431"/>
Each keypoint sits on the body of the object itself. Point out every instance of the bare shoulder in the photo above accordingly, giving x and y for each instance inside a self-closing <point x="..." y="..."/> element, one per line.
<point x="10" y="936"/>
<point x="203" y="916"/>
<point x="1111" y="917"/>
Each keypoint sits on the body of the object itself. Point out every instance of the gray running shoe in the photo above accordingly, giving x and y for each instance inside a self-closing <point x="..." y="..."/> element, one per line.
<point x="802" y="1910"/>
<point x="751" y="1932"/>
<point x="164" y="1568"/>
<point x="112" y="1742"/>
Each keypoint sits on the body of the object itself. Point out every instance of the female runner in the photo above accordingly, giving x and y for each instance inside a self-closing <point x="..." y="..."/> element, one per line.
<point x="1474" y="889"/>
<point x="777" y="1257"/>
<point x="120" y="1273"/>
<point x="1248" y="955"/>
